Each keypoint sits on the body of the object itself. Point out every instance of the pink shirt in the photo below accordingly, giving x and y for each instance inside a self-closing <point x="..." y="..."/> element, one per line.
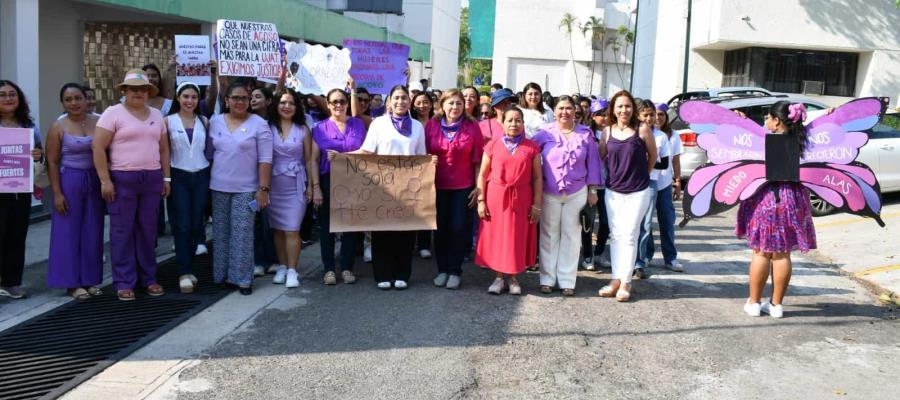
<point x="135" y="143"/>
<point x="490" y="129"/>
<point x="457" y="157"/>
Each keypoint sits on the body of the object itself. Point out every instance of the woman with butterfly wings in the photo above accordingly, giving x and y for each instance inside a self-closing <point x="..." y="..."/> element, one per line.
<point x="774" y="216"/>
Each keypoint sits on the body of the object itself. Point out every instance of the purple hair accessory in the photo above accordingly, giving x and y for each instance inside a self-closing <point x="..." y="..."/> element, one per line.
<point x="662" y="107"/>
<point x="599" y="104"/>
<point x="797" y="112"/>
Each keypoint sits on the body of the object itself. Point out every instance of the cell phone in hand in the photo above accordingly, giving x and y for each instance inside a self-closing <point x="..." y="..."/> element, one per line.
<point x="254" y="206"/>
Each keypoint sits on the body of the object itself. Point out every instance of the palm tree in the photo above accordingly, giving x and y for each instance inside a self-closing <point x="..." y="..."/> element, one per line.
<point x="568" y="21"/>
<point x="596" y="27"/>
<point x="623" y="36"/>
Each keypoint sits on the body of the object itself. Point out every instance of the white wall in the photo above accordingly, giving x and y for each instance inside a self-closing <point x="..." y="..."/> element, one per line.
<point x="20" y="62"/>
<point x="444" y="43"/>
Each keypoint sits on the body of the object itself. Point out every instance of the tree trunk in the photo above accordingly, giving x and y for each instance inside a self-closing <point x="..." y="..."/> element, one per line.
<point x="574" y="67"/>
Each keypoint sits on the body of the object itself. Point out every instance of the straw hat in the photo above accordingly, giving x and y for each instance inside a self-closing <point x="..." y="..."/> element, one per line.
<point x="136" y="77"/>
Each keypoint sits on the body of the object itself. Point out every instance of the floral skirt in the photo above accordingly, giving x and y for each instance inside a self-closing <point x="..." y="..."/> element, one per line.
<point x="777" y="223"/>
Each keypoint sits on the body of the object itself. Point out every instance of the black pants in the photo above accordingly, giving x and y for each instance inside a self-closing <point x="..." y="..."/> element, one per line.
<point x="15" y="214"/>
<point x="587" y="248"/>
<point x="326" y="238"/>
<point x="392" y="255"/>
<point x="453" y="230"/>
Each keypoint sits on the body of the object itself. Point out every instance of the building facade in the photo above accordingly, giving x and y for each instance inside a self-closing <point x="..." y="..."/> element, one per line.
<point x="529" y="45"/>
<point x="832" y="51"/>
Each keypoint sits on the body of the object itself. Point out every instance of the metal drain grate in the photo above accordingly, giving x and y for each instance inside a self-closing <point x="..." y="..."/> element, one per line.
<point x="50" y="354"/>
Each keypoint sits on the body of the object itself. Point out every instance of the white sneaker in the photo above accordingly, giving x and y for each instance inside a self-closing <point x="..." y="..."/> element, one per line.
<point x="676" y="266"/>
<point x="384" y="285"/>
<point x="201" y="249"/>
<point x="587" y="263"/>
<point x="453" y="282"/>
<point x="775" y="311"/>
<point x="425" y="254"/>
<point x="259" y="270"/>
<point x="399" y="285"/>
<point x="367" y="254"/>
<point x="280" y="275"/>
<point x="440" y="280"/>
<point x="274" y="268"/>
<point x="497" y="287"/>
<point x="293" y="278"/>
<point x="752" y="309"/>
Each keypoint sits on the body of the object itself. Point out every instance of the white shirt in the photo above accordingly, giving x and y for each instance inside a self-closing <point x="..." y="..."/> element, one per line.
<point x="383" y="139"/>
<point x="187" y="155"/>
<point x="534" y="120"/>
<point x="662" y="150"/>
<point x="666" y="177"/>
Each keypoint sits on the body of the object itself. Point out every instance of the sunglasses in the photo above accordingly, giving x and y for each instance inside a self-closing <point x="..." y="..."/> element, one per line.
<point x="340" y="102"/>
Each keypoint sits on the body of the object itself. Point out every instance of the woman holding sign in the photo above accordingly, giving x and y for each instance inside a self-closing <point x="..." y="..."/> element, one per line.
<point x="457" y="142"/>
<point x="340" y="133"/>
<point x="394" y="134"/>
<point x="15" y="208"/>
<point x="240" y="145"/>
<point x="509" y="203"/>
<point x="291" y="189"/>
<point x="76" y="235"/>
<point x="132" y="177"/>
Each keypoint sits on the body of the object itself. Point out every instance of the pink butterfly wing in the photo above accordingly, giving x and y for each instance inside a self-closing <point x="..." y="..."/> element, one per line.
<point x="725" y="136"/>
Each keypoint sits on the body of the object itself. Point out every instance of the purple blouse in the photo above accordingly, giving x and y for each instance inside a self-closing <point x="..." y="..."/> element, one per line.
<point x="568" y="165"/>
<point x="329" y="137"/>
<point x="237" y="154"/>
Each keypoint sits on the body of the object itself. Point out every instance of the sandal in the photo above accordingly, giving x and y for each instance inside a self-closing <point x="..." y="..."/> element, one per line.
<point x="125" y="294"/>
<point x="546" y="289"/>
<point x="79" y="294"/>
<point x="94" y="291"/>
<point x="186" y="284"/>
<point x="568" y="292"/>
<point x="155" y="290"/>
<point x="623" y="294"/>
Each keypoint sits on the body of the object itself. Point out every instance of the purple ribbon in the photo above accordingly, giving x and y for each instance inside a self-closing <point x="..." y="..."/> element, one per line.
<point x="402" y="124"/>
<point x="450" y="130"/>
<point x="512" y="143"/>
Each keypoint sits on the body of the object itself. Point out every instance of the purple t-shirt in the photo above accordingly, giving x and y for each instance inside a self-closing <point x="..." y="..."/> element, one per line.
<point x="329" y="137"/>
<point x="571" y="164"/>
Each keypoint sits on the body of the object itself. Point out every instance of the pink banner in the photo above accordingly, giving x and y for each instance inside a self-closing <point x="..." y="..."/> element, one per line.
<point x="15" y="160"/>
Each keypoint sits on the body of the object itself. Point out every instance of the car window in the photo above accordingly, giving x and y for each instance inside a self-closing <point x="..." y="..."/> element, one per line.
<point x="812" y="107"/>
<point x="756" y="113"/>
<point x="889" y="127"/>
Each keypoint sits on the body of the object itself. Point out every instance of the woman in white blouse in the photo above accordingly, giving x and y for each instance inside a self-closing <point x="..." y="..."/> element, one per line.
<point x="534" y="112"/>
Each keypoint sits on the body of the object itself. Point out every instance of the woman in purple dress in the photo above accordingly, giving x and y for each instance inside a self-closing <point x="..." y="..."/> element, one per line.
<point x="291" y="164"/>
<point x="776" y="220"/>
<point x="76" y="233"/>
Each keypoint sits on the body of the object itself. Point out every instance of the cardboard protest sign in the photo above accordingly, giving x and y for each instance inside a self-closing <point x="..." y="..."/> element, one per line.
<point x="315" y="68"/>
<point x="248" y="49"/>
<point x="16" y="164"/>
<point x="382" y="193"/>
<point x="378" y="66"/>
<point x="192" y="58"/>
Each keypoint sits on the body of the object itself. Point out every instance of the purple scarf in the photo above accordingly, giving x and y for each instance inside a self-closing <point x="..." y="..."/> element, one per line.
<point x="450" y="130"/>
<point x="402" y="124"/>
<point x="512" y="143"/>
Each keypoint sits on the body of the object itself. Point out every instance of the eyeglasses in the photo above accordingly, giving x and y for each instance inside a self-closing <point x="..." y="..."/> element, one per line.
<point x="239" y="99"/>
<point x="8" y="95"/>
<point x="340" y="102"/>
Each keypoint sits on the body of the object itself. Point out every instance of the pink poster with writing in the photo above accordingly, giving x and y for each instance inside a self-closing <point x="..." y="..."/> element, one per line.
<point x="15" y="160"/>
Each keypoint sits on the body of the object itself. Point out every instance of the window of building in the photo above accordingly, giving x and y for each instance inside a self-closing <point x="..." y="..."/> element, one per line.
<point x="785" y="70"/>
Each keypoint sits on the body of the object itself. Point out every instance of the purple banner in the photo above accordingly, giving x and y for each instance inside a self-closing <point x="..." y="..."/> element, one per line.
<point x="15" y="160"/>
<point x="378" y="66"/>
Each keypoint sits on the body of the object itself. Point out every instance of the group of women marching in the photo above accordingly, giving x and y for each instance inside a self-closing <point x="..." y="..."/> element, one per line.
<point x="529" y="171"/>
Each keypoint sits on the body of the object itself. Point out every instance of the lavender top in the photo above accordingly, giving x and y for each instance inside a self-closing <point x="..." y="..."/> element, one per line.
<point x="571" y="164"/>
<point x="237" y="154"/>
<point x="76" y="152"/>
<point x="329" y="137"/>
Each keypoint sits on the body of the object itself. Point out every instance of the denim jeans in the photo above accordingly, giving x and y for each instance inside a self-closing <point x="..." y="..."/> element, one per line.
<point x="587" y="248"/>
<point x="326" y="238"/>
<point x="645" y="238"/>
<point x="665" y="215"/>
<point x="187" y="214"/>
<point x="452" y="235"/>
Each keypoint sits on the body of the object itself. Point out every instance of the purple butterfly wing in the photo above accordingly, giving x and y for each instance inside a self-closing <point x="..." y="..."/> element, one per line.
<point x="849" y="188"/>
<point x="726" y="136"/>
<point x="837" y="137"/>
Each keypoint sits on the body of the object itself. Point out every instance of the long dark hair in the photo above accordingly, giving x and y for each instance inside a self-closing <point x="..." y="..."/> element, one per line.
<point x="23" y="112"/>
<point x="611" y="112"/>
<point x="412" y="108"/>
<point x="476" y="113"/>
<point x="535" y="86"/>
<point x="403" y="89"/>
<point x="667" y="126"/>
<point x="176" y="106"/>
<point x="299" y="117"/>
<point x="794" y="129"/>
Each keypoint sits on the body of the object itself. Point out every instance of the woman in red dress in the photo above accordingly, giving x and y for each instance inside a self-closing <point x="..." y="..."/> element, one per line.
<point x="510" y="183"/>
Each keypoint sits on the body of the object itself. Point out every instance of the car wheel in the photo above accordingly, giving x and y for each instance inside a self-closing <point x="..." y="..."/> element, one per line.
<point x="819" y="207"/>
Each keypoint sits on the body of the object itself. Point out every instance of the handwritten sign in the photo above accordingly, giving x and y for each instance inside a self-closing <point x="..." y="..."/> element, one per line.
<point x="192" y="59"/>
<point x="382" y="193"/>
<point x="378" y="66"/>
<point x="248" y="49"/>
<point x="315" y="68"/>
<point x="16" y="164"/>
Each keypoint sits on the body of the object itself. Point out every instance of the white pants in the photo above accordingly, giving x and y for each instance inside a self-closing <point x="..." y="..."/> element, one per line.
<point x="560" y="242"/>
<point x="625" y="213"/>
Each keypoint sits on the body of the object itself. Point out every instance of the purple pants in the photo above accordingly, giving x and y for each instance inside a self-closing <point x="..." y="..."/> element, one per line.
<point x="76" y="239"/>
<point x="132" y="227"/>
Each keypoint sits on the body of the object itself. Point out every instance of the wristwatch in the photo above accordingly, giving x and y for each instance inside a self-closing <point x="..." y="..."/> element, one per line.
<point x="264" y="189"/>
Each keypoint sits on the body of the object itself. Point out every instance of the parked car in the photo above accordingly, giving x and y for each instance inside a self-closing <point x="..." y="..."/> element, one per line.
<point x="723" y="92"/>
<point x="754" y="107"/>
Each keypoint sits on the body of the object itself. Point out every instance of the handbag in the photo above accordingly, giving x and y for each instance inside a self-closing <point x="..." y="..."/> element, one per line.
<point x="587" y="216"/>
<point x="41" y="179"/>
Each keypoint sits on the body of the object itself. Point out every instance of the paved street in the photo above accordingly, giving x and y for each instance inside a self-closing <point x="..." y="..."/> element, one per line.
<point x="684" y="336"/>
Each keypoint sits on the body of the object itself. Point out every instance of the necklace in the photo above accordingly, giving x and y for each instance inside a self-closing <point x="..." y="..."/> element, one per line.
<point x="9" y="123"/>
<point x="82" y="124"/>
